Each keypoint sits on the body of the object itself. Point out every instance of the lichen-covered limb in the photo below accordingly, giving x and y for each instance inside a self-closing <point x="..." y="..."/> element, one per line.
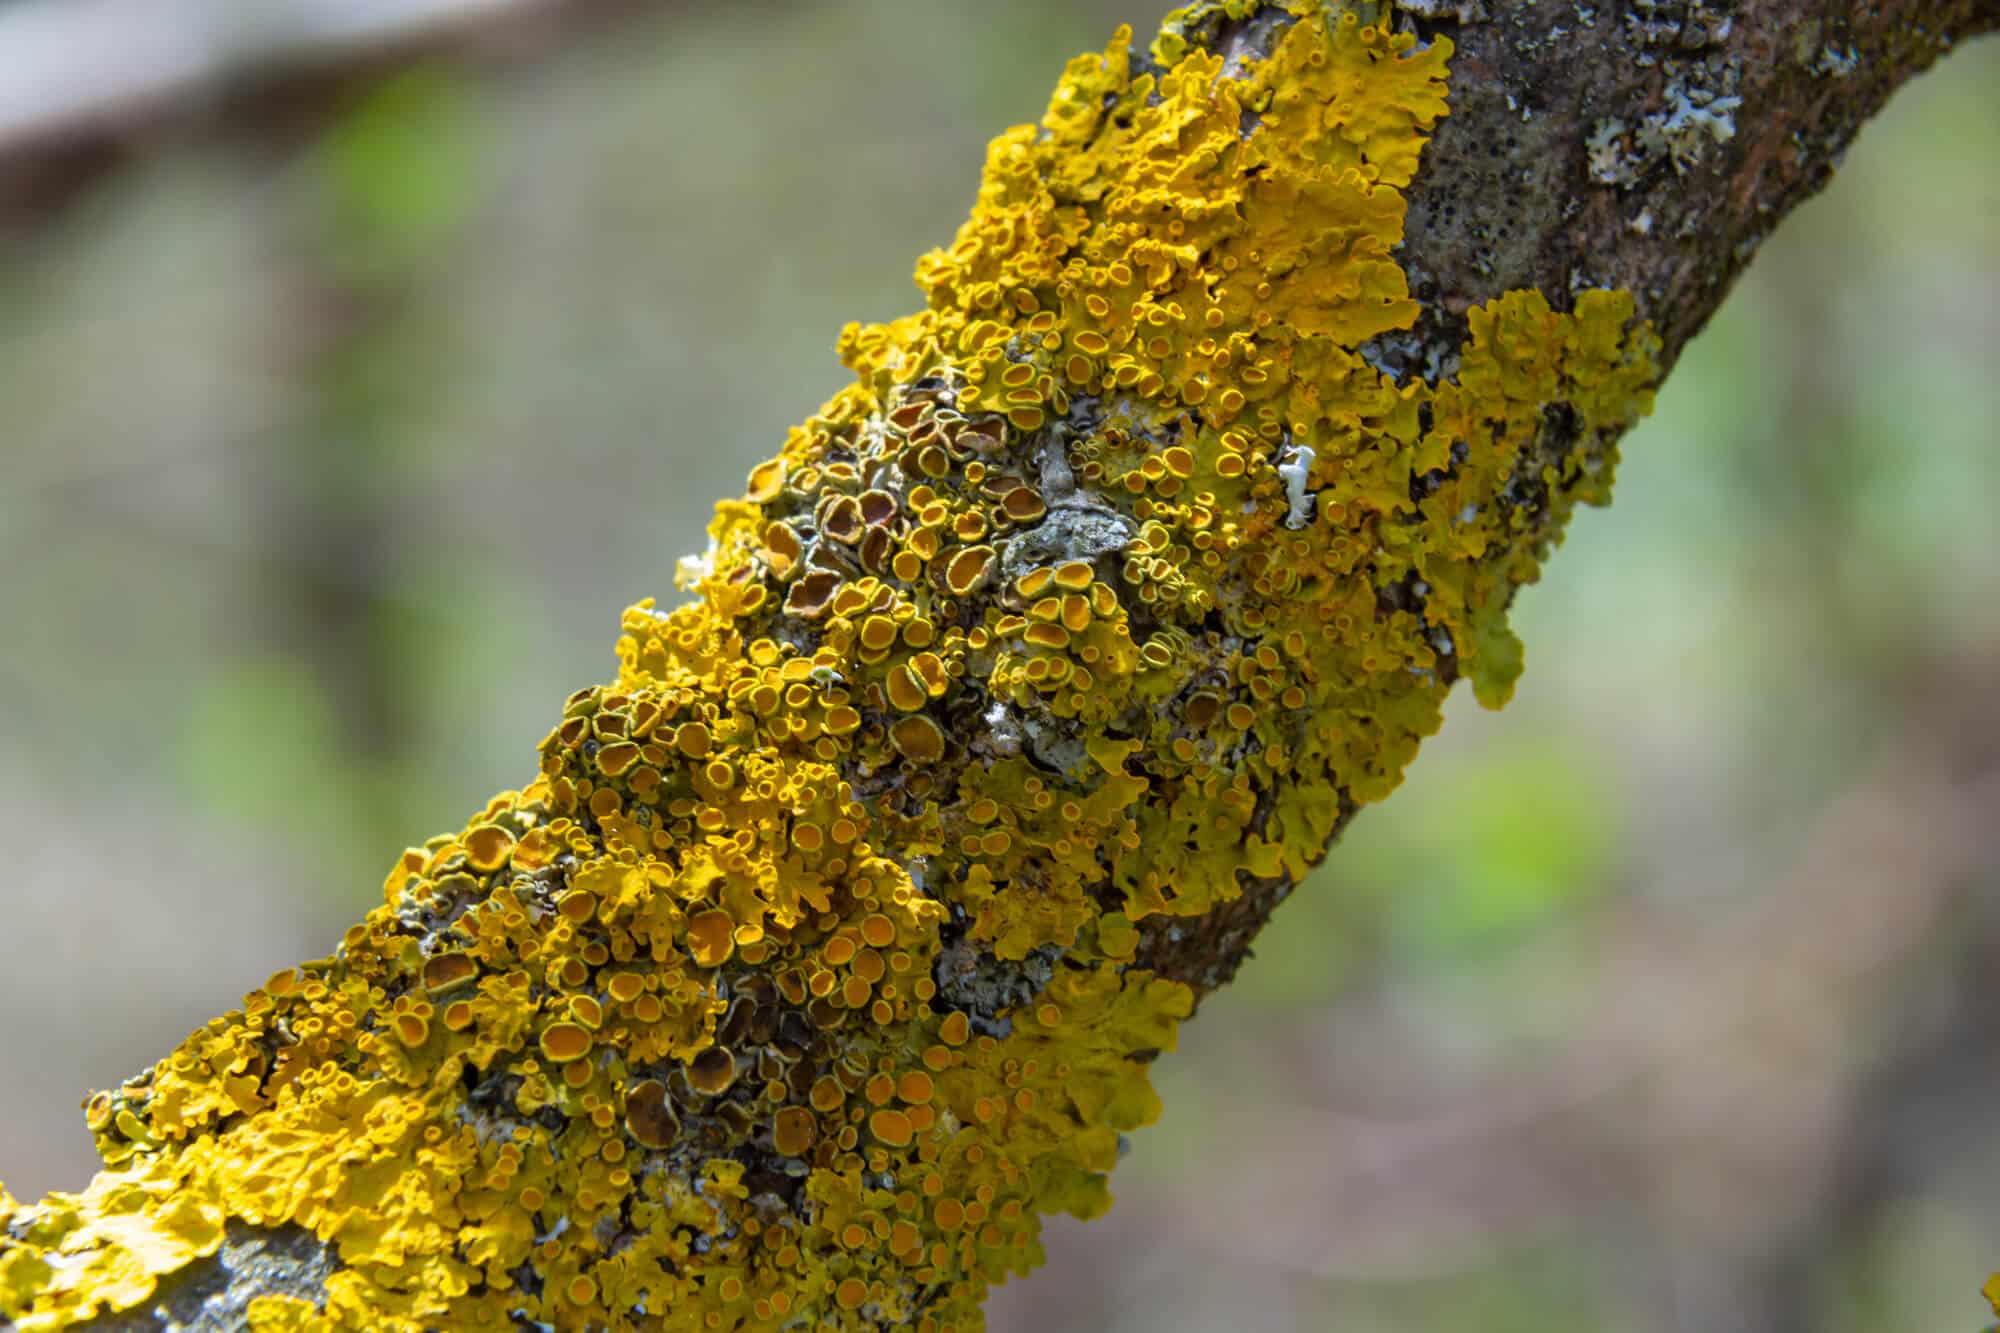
<point x="828" y="947"/>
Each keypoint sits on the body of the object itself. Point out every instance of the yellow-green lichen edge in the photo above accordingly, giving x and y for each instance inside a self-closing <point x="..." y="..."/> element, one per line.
<point x="801" y="980"/>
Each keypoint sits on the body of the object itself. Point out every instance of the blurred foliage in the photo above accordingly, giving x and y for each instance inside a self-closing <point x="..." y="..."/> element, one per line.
<point x="1449" y="876"/>
<point x="327" y="472"/>
<point x="402" y="170"/>
<point x="1506" y="839"/>
<point x="261" y="745"/>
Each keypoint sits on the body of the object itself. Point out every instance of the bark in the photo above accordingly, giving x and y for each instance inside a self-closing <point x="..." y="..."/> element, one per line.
<point x="1645" y="148"/>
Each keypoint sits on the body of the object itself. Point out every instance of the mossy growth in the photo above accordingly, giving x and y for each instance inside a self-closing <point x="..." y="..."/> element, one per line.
<point x="804" y="977"/>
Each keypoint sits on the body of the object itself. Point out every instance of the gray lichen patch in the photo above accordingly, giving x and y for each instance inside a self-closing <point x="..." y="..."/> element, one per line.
<point x="1461" y="11"/>
<point x="1679" y="25"/>
<point x="213" y="1295"/>
<point x="970" y="977"/>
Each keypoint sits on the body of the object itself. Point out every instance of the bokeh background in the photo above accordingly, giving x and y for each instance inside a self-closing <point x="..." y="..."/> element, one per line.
<point x="343" y="408"/>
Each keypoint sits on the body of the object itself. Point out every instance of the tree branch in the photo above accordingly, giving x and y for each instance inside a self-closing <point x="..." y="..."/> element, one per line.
<point x="1650" y="147"/>
<point x="830" y="944"/>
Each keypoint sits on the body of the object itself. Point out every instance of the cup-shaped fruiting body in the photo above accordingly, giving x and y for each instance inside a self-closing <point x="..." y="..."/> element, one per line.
<point x="806" y="975"/>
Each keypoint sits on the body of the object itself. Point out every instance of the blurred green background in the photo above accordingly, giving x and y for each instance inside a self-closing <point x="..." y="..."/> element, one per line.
<point x="1666" y="1000"/>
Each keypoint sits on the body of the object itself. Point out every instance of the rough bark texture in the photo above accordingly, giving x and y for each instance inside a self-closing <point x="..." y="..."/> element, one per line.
<point x="1644" y="148"/>
<point x="1567" y="113"/>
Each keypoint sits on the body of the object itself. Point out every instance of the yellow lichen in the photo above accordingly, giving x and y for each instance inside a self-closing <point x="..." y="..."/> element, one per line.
<point x="822" y="957"/>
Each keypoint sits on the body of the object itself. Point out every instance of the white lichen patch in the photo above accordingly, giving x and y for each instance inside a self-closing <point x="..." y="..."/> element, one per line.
<point x="1464" y="11"/>
<point x="1694" y="118"/>
<point x="690" y="570"/>
<point x="1295" y="467"/>
<point x="1605" y="151"/>
<point x="1839" y="64"/>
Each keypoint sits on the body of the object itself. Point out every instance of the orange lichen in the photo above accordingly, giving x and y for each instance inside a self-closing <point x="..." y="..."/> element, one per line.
<point x="711" y="938"/>
<point x="917" y="739"/>
<point x="565" y="1041"/>
<point x="487" y="847"/>
<point x="793" y="1131"/>
<point x="447" y="972"/>
<point x="412" y="1023"/>
<point x="828" y="948"/>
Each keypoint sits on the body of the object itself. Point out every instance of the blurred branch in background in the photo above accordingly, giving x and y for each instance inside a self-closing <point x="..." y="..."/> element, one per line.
<point x="85" y="83"/>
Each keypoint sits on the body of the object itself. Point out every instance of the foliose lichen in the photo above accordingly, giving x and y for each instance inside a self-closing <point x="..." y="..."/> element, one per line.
<point x="804" y="977"/>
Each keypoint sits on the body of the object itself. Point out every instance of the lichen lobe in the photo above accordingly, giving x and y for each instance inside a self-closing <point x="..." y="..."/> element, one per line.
<point x="806" y="976"/>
